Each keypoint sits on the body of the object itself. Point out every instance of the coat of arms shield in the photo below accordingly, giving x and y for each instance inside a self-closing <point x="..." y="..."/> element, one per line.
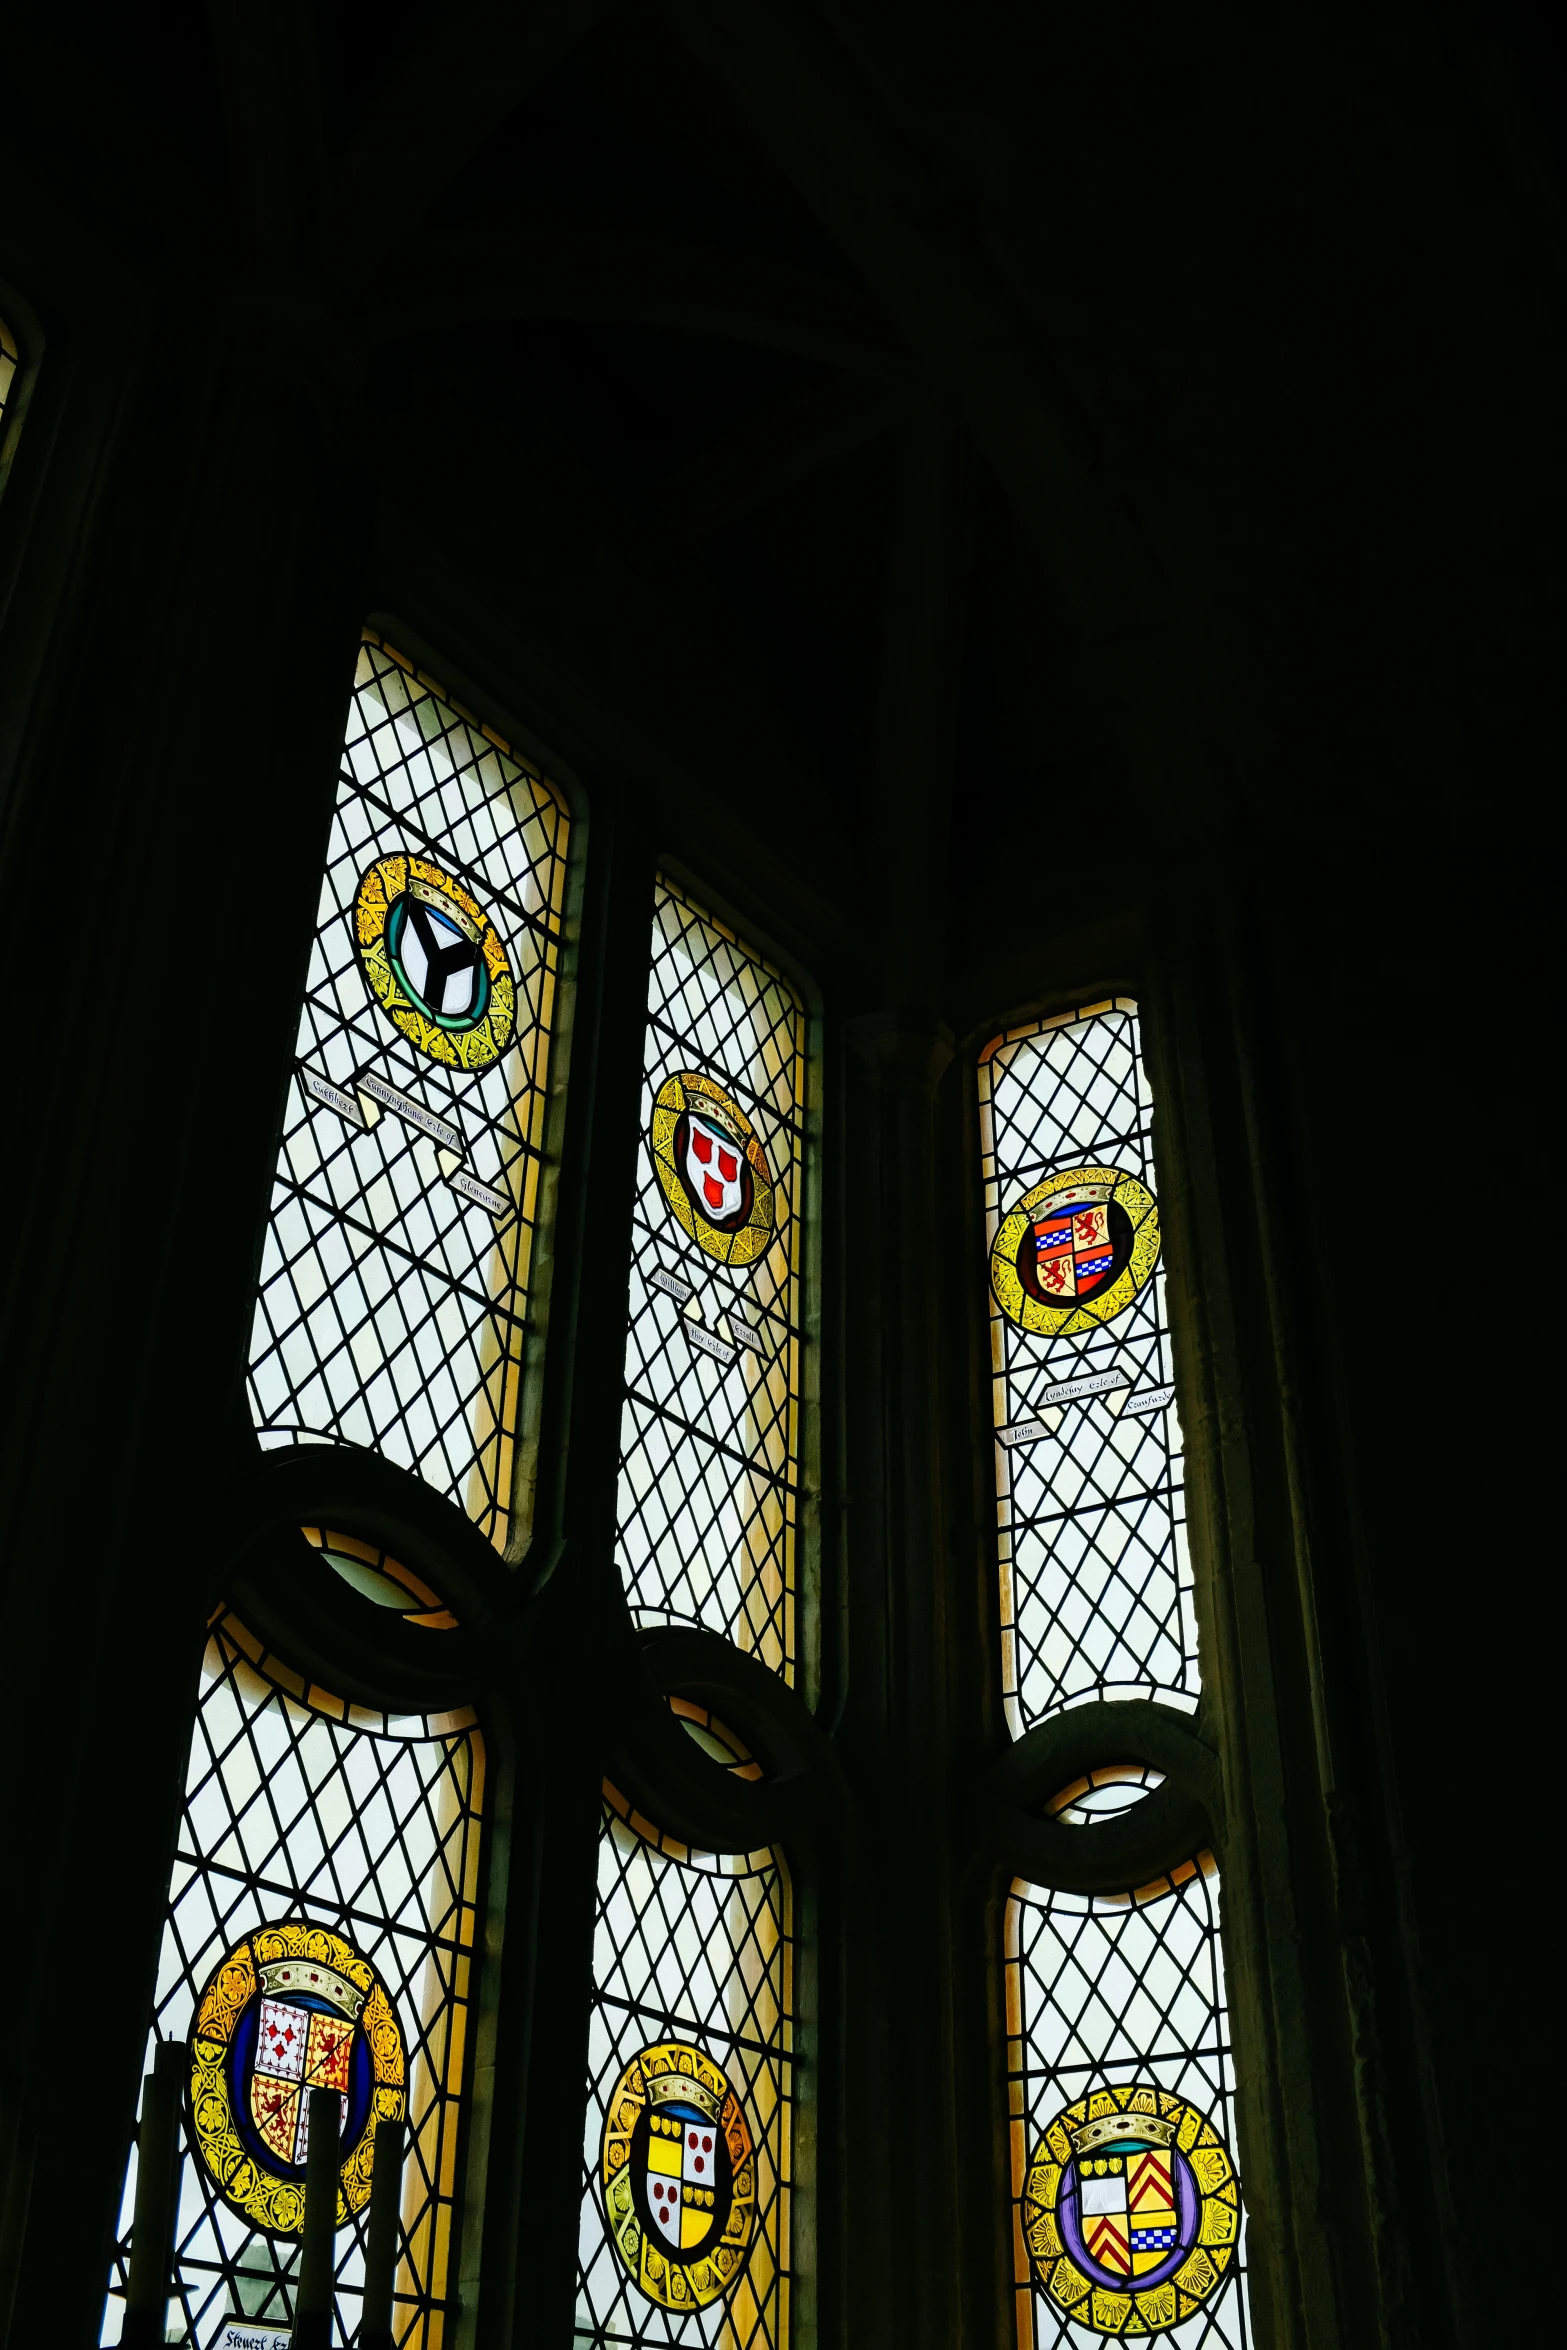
<point x="1074" y="1251"/>
<point x="681" y="2178"/>
<point x="714" y="1167"/>
<point x="1150" y="2199"/>
<point x="297" y="2049"/>
<point x="1105" y="2229"/>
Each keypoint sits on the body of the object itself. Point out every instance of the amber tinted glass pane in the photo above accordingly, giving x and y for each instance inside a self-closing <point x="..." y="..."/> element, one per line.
<point x="1095" y="1579"/>
<point x="691" y="2021"/>
<point x="710" y="1470"/>
<point x="303" y="1812"/>
<point x="395" y="1272"/>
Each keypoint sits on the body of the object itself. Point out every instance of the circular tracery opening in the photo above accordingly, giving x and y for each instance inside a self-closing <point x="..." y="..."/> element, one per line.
<point x="715" y="1738"/>
<point x="1103" y="1793"/>
<point x="381" y="1579"/>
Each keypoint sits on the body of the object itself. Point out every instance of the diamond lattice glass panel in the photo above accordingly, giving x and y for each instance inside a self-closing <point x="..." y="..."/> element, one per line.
<point x="1095" y="1578"/>
<point x="316" y="1830"/>
<point x="1127" y="2215"/>
<point x="684" y="2233"/>
<point x="395" y="1271"/>
<point x="709" y="1471"/>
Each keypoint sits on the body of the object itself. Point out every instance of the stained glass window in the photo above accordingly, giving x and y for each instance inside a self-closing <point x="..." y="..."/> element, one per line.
<point x="1126" y="2206"/>
<point x="395" y="1273"/>
<point x="1126" y="2203"/>
<point x="1095" y="1579"/>
<point x="710" y="1437"/>
<point x="684" y="2231"/>
<point x="320" y="1933"/>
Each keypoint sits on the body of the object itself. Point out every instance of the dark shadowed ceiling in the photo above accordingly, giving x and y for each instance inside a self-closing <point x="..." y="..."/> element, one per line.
<point x="1078" y="427"/>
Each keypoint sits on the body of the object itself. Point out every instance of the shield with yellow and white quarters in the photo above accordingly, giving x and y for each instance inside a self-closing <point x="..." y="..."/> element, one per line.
<point x="1102" y="2204"/>
<point x="678" y="2167"/>
<point x="682" y="2176"/>
<point x="1130" y="2210"/>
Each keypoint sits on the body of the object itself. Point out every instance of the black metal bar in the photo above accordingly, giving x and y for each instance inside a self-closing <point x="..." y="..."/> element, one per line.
<point x="386" y="2179"/>
<point x="152" y="2227"/>
<point x="313" y="2315"/>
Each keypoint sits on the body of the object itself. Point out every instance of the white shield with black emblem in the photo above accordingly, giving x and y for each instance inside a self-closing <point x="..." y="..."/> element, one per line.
<point x="442" y="964"/>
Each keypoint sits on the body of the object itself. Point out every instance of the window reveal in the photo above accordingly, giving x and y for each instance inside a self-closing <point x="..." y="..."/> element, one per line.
<point x="320" y="1930"/>
<point x="710" y="1470"/>
<point x="1095" y="1580"/>
<point x="395" y="1271"/>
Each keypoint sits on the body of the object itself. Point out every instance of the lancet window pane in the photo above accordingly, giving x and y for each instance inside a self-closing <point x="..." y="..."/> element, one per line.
<point x="710" y="1435"/>
<point x="684" y="2233"/>
<point x="395" y="1273"/>
<point x="1095" y="1576"/>
<point x="320" y="1931"/>
<point x="1126" y="2204"/>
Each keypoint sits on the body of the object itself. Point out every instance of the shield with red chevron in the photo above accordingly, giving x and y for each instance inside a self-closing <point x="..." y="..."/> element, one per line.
<point x="1150" y="2207"/>
<point x="1105" y="2222"/>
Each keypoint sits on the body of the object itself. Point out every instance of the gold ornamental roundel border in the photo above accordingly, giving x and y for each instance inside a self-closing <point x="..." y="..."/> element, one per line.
<point x="736" y="1238"/>
<point x="1131" y="2210"/>
<point x="245" y="2099"/>
<point x="678" y="2169"/>
<point x="399" y="896"/>
<point x="1123" y="1196"/>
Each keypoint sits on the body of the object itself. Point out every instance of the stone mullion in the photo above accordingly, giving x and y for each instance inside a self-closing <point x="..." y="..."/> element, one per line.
<point x="900" y="2023"/>
<point x="1306" y="2276"/>
<point x="201" y="675"/>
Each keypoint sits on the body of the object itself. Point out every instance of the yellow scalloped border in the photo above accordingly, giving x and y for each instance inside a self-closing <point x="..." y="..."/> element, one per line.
<point x="271" y="2203"/>
<point x="674" y="2285"/>
<point x="1153" y="2308"/>
<point x="1088" y="1313"/>
<point x="380" y="886"/>
<point x="676" y="1095"/>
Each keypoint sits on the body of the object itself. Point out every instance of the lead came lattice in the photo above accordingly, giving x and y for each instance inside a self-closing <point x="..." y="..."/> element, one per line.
<point x="395" y="1269"/>
<point x="298" y="1805"/>
<point x="709" y="1470"/>
<point x="690" y="1947"/>
<point x="1103" y="1992"/>
<point x="1095" y="1580"/>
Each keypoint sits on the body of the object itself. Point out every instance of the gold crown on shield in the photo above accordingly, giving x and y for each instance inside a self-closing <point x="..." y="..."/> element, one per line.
<point x="279" y="1976"/>
<point x="1110" y="2129"/>
<point x="1076" y="1195"/>
<point x="701" y="1105"/>
<point x="682" y="2089"/>
<point x="443" y="903"/>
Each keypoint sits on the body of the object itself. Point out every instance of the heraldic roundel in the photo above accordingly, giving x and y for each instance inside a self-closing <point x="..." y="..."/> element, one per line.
<point x="1075" y="1251"/>
<point x="679" y="2176"/>
<point x="291" y="2008"/>
<point x="1131" y="2210"/>
<point x="435" y="962"/>
<point x="712" y="1169"/>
